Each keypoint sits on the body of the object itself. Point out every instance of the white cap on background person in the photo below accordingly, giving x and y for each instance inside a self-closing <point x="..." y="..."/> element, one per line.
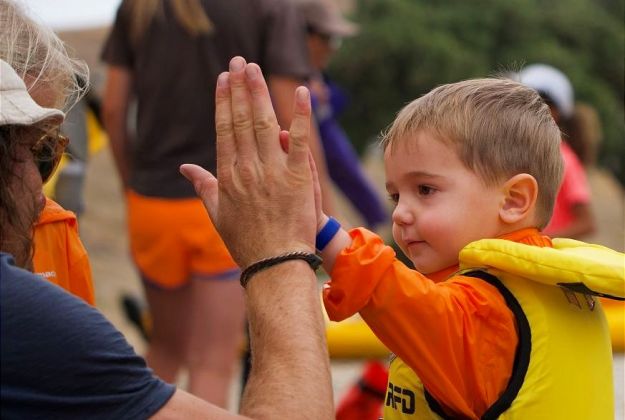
<point x="551" y="83"/>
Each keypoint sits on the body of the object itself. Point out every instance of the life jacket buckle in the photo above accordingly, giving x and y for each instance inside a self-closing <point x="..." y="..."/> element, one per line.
<point x="571" y="297"/>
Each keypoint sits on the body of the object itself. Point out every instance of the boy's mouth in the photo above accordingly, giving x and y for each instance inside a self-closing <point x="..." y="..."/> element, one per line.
<point x="413" y="243"/>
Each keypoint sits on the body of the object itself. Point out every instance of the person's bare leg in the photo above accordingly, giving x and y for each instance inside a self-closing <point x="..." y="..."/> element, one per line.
<point x="217" y="320"/>
<point x="170" y="330"/>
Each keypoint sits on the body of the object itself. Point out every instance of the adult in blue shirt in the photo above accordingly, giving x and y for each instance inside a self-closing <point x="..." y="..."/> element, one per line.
<point x="60" y="357"/>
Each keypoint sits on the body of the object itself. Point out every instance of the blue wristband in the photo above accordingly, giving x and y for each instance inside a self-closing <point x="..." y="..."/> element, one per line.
<point x="326" y="234"/>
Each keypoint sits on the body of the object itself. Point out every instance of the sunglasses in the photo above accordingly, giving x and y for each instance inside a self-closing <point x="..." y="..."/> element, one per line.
<point x="47" y="153"/>
<point x="334" y="41"/>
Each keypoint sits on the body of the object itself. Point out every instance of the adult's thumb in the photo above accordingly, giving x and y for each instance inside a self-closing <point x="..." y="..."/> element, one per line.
<point x="205" y="185"/>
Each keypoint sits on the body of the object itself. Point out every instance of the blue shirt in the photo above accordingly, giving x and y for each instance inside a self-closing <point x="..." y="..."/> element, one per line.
<point x="60" y="358"/>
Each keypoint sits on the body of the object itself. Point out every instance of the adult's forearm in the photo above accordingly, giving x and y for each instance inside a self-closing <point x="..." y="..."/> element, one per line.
<point x="290" y="366"/>
<point x="262" y="205"/>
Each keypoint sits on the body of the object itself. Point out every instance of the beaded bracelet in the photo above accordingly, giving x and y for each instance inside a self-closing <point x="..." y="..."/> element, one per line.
<point x="312" y="259"/>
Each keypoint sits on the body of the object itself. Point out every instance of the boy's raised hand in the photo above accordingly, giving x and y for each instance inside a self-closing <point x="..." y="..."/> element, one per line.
<point x="262" y="201"/>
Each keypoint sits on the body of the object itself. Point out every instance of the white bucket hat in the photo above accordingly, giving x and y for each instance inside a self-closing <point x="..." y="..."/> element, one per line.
<point x="551" y="82"/>
<point x="16" y="105"/>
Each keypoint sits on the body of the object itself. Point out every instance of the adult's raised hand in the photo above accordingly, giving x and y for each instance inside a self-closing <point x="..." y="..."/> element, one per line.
<point x="262" y="201"/>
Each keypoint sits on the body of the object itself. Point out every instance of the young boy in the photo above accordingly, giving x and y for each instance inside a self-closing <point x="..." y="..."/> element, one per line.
<point x="497" y="319"/>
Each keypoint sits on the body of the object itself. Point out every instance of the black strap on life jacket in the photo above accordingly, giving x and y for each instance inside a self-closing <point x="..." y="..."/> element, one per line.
<point x="521" y="357"/>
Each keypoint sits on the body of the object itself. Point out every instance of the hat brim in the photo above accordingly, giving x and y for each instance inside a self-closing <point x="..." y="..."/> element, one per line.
<point x="18" y="108"/>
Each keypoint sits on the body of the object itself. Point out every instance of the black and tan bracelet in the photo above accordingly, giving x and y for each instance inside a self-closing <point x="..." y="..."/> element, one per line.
<point x="312" y="259"/>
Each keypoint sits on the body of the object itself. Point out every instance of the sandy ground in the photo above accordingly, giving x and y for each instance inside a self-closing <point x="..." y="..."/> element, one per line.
<point x="103" y="232"/>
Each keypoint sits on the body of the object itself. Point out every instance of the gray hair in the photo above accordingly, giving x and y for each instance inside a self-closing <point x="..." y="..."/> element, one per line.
<point x="39" y="57"/>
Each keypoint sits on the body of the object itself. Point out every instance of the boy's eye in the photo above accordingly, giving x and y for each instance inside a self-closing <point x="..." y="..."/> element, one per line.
<point x="394" y="198"/>
<point x="425" y="190"/>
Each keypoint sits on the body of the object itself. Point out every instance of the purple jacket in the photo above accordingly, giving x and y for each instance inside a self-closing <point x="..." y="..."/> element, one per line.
<point x="342" y="160"/>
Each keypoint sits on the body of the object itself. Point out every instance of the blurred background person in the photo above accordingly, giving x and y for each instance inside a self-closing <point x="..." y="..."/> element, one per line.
<point x="163" y="54"/>
<point x="325" y="28"/>
<point x="572" y="214"/>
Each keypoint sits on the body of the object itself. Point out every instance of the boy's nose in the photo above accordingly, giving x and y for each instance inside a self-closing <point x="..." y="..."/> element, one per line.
<point x="402" y="215"/>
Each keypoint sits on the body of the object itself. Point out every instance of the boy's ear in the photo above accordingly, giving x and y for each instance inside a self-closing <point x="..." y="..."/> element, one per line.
<point x="520" y="195"/>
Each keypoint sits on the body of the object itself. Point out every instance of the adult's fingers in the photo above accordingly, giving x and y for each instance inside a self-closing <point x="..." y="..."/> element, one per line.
<point x="242" y="114"/>
<point x="300" y="127"/>
<point x="205" y="185"/>
<point x="265" y="121"/>
<point x="226" y="143"/>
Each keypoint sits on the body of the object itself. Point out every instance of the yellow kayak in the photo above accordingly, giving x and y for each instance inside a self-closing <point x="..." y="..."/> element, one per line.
<point x="615" y="314"/>
<point x="352" y="338"/>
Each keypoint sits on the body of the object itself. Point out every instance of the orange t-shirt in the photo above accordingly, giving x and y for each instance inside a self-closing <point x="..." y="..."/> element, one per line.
<point x="455" y="332"/>
<point x="60" y="256"/>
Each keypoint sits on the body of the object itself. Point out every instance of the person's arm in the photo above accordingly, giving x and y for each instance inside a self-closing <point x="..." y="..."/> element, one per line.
<point x="340" y="241"/>
<point x="117" y="93"/>
<point x="263" y="206"/>
<point x="444" y="331"/>
<point x="282" y="340"/>
<point x="183" y="405"/>
<point x="294" y="355"/>
<point x="282" y="89"/>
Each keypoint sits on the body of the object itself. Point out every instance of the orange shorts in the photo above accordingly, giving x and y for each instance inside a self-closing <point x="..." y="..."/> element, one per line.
<point x="172" y="240"/>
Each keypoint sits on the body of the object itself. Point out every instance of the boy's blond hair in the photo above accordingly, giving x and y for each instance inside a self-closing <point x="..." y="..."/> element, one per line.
<point x="498" y="127"/>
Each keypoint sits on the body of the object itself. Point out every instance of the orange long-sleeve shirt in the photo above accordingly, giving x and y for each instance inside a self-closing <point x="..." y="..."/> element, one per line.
<point x="60" y="256"/>
<point x="455" y="332"/>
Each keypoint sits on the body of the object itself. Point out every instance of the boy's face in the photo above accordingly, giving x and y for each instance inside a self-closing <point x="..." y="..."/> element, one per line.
<point x="441" y="205"/>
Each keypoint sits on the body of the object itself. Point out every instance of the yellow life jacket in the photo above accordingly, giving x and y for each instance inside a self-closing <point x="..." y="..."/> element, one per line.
<point x="563" y="362"/>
